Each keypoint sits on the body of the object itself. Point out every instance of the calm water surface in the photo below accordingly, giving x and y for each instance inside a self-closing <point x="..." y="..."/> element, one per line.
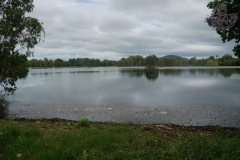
<point x="67" y="92"/>
<point x="132" y="87"/>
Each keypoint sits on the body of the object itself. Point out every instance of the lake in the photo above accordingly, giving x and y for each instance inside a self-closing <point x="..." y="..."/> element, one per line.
<point x="179" y="95"/>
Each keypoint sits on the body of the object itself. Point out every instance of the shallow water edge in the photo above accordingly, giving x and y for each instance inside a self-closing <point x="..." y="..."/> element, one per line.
<point x="185" y="116"/>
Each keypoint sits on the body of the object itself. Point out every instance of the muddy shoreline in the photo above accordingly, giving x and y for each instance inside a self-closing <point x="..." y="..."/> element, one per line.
<point x="182" y="116"/>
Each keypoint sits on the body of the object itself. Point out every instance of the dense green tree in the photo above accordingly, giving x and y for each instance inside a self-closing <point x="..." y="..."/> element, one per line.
<point x="58" y="63"/>
<point x="129" y="61"/>
<point x="193" y="61"/>
<point x="40" y="63"/>
<point x="91" y="62"/>
<point x="171" y="62"/>
<point x="233" y="6"/>
<point x="226" y="60"/>
<point x="198" y="62"/>
<point x="104" y="63"/>
<point x="79" y="62"/>
<point x="33" y="63"/>
<point x="84" y="61"/>
<point x="151" y="61"/>
<point x="211" y="58"/>
<point x="139" y="63"/>
<point x="18" y="34"/>
<point x="71" y="62"/>
<point x="45" y="62"/>
<point x="50" y="63"/>
<point x="137" y="60"/>
<point x="98" y="63"/>
<point x="201" y="62"/>
<point x="65" y="64"/>
<point x="227" y="56"/>
<point x="121" y="62"/>
<point x="211" y="63"/>
<point x="112" y="63"/>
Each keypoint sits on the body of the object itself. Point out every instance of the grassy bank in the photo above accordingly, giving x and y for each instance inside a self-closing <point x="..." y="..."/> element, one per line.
<point x="56" y="139"/>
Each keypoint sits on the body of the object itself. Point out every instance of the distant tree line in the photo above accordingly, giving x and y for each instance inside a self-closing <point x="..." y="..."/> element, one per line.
<point x="78" y="62"/>
<point x="226" y="60"/>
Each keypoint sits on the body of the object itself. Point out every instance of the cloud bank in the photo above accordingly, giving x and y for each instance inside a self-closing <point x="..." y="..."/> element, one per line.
<point x="112" y="29"/>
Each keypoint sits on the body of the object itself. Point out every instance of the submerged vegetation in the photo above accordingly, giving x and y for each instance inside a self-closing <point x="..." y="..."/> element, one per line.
<point x="56" y="139"/>
<point x="226" y="60"/>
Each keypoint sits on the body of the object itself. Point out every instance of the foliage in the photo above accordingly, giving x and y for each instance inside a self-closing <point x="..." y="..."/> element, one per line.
<point x="14" y="68"/>
<point x="172" y="62"/>
<point x="76" y="62"/>
<point x="211" y="63"/>
<point x="83" y="123"/>
<point x="58" y="63"/>
<point x="3" y="108"/>
<point x="132" y="61"/>
<point x="197" y="62"/>
<point x="232" y="33"/>
<point x="18" y="36"/>
<point x="225" y="60"/>
<point x="228" y="60"/>
<point x="47" y="63"/>
<point x="51" y="140"/>
<point x="151" y="61"/>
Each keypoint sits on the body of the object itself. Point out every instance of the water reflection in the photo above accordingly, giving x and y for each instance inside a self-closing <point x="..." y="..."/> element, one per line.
<point x="84" y="72"/>
<point x="225" y="72"/>
<point x="57" y="73"/>
<point x="126" y="86"/>
<point x="228" y="73"/>
<point x="132" y="72"/>
<point x="172" y="72"/>
<point x="152" y="75"/>
<point x="34" y="74"/>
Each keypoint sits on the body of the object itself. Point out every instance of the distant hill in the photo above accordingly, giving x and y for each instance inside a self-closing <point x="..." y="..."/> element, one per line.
<point x="175" y="56"/>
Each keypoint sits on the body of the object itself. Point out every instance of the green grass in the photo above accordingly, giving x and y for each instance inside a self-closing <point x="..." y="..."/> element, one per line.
<point x="83" y="123"/>
<point x="63" y="140"/>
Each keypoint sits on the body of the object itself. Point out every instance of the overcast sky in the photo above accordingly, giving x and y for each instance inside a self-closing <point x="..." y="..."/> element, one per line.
<point x="112" y="29"/>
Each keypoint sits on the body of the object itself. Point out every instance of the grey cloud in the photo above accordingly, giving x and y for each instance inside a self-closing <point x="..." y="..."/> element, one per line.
<point x="112" y="29"/>
<point x="117" y="22"/>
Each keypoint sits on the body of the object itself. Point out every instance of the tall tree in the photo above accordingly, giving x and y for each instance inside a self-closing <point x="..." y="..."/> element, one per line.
<point x="18" y="36"/>
<point x="151" y="61"/>
<point x="58" y="63"/>
<point x="233" y="6"/>
<point x="45" y="62"/>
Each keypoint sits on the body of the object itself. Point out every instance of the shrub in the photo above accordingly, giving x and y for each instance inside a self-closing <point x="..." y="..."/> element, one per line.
<point x="83" y="123"/>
